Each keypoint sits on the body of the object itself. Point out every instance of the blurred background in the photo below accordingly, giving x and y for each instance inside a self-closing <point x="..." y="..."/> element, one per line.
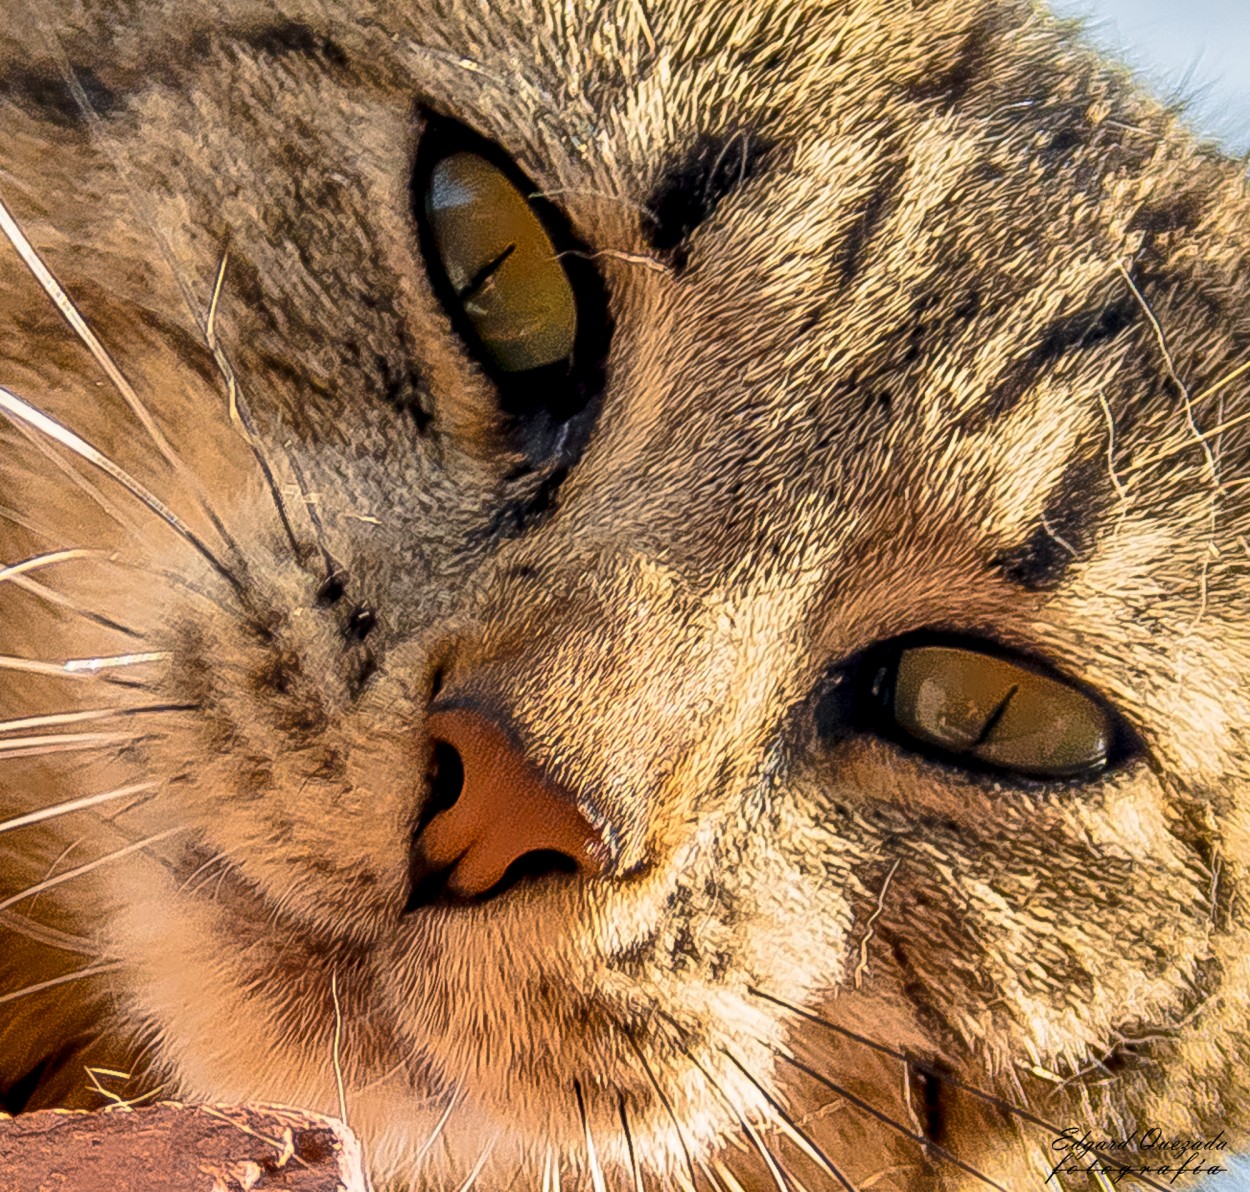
<point x="1197" y="51"/>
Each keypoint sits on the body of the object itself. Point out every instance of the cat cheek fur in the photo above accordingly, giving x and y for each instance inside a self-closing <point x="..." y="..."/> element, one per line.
<point x="919" y="319"/>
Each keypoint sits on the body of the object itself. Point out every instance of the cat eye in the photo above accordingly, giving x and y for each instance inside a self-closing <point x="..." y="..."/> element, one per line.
<point x="977" y="706"/>
<point x="501" y="265"/>
<point x="518" y="286"/>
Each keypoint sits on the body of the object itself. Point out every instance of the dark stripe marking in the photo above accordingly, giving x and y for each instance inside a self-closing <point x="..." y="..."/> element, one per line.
<point x="1176" y="213"/>
<point x="52" y="95"/>
<point x="949" y="87"/>
<point x="292" y="38"/>
<point x="1078" y="332"/>
<point x="692" y="187"/>
<point x="1066" y="532"/>
<point x="850" y="255"/>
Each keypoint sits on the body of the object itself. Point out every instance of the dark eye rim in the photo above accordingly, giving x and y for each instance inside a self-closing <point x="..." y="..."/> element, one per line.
<point x="559" y="392"/>
<point x="859" y="695"/>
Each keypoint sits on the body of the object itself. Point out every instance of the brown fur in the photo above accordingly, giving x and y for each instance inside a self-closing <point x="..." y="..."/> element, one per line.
<point x="899" y="377"/>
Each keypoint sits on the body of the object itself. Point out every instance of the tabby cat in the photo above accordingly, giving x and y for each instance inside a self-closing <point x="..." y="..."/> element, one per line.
<point x="631" y="594"/>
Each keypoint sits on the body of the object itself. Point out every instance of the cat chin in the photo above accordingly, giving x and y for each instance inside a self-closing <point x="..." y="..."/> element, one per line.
<point x="221" y="1033"/>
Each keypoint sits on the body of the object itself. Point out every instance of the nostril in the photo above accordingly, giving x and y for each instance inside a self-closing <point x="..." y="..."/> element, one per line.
<point x="429" y="887"/>
<point x="444" y="782"/>
<point x="446" y="779"/>
<point x="541" y="862"/>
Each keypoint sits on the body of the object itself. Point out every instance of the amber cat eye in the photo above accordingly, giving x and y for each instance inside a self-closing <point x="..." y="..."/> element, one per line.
<point x="981" y="707"/>
<point x="501" y="263"/>
<point x="517" y="284"/>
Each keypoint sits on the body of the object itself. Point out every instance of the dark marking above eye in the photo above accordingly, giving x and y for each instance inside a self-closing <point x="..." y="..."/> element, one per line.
<point x="293" y="38"/>
<point x="1038" y="563"/>
<point x="1077" y="332"/>
<point x="881" y="200"/>
<point x="1066" y="532"/>
<point x="1176" y="213"/>
<point x="52" y="95"/>
<point x="693" y="185"/>
<point x="1088" y="328"/>
<point x="948" y="87"/>
<point x="1066" y="140"/>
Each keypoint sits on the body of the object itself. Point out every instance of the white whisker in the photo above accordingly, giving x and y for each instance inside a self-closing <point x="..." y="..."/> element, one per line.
<point x="43" y="592"/>
<point x="48" y="559"/>
<point x="16" y="747"/>
<point x="1223" y="382"/>
<point x="79" y="668"/>
<point x="16" y="573"/>
<point x="25" y="722"/>
<point x="70" y="874"/>
<point x="425" y="1147"/>
<point x="18" y="518"/>
<point x="71" y="805"/>
<point x="215" y="859"/>
<point x="78" y="665"/>
<point x="757" y="1141"/>
<point x="310" y="507"/>
<point x="477" y="1168"/>
<point x="45" y="448"/>
<point x="791" y="1129"/>
<point x="336" y="1044"/>
<point x="728" y="1178"/>
<point x="716" y="1184"/>
<point x="24" y="412"/>
<point x="240" y="416"/>
<point x="70" y="312"/>
<point x="592" y="1155"/>
<point x="42" y="531"/>
<point x="691" y="1183"/>
<point x="33" y="262"/>
<point x="635" y="1168"/>
<point x="208" y="326"/>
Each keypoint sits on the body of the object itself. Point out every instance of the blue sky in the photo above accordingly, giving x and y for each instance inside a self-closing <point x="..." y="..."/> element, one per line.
<point x="1197" y="48"/>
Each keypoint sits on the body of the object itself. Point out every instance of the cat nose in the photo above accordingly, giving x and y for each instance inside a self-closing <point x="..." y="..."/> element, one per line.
<point x="506" y="821"/>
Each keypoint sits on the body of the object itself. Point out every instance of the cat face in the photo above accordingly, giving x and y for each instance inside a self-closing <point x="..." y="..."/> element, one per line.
<point x="676" y="576"/>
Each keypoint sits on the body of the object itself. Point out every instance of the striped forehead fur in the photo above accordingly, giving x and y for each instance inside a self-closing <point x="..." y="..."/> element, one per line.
<point x="923" y="319"/>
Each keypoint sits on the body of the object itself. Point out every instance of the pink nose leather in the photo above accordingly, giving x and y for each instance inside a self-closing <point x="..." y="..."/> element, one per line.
<point x="506" y="809"/>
